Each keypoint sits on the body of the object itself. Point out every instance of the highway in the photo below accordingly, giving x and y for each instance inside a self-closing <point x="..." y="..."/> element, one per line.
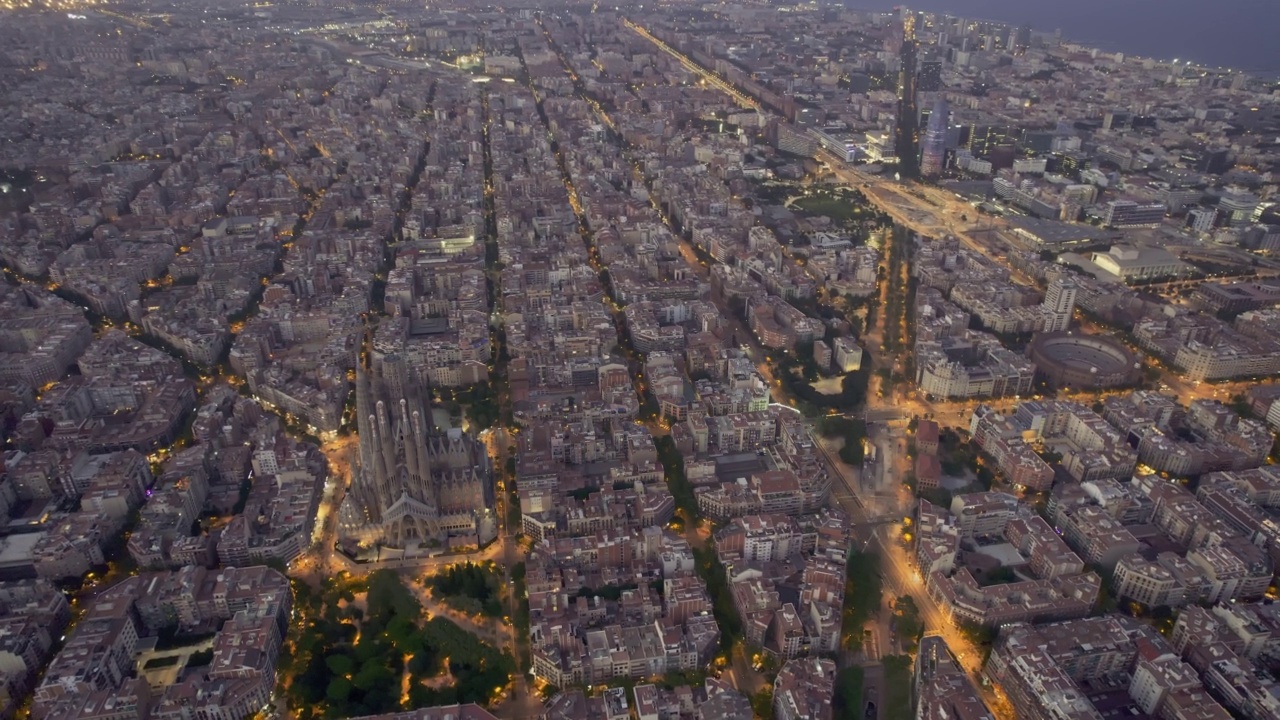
<point x="709" y="77"/>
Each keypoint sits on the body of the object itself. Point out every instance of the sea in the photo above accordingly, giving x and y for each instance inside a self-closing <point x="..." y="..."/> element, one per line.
<point x="1238" y="34"/>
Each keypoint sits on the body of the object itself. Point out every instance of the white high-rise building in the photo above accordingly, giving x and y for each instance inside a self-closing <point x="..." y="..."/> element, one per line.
<point x="1202" y="220"/>
<point x="1060" y="303"/>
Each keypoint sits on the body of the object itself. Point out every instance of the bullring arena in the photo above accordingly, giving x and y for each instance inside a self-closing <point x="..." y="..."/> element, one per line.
<point x="1084" y="361"/>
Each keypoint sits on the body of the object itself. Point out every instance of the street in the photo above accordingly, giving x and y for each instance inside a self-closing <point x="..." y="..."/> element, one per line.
<point x="877" y="520"/>
<point x="869" y="510"/>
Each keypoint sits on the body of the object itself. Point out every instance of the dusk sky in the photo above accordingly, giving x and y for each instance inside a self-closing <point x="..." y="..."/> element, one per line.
<point x="1232" y="33"/>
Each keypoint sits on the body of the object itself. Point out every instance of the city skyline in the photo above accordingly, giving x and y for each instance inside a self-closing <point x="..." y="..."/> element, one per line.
<point x="670" y="363"/>
<point x="1228" y="34"/>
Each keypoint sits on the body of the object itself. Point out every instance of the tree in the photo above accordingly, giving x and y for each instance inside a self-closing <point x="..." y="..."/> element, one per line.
<point x="1240" y="404"/>
<point x="940" y="497"/>
<point x="677" y="483"/>
<point x="762" y="703"/>
<point x="339" y="690"/>
<point x="470" y="587"/>
<point x="246" y="486"/>
<point x="848" y="702"/>
<point x="1051" y="456"/>
<point x="907" y="623"/>
<point x="340" y="664"/>
<point x="979" y="635"/>
<point x="388" y="598"/>
<point x="861" y="596"/>
<point x="422" y="663"/>
<point x="717" y="580"/>
<point x="897" y="683"/>
<point x="401" y="631"/>
<point x="373" y="674"/>
<point x="852" y="430"/>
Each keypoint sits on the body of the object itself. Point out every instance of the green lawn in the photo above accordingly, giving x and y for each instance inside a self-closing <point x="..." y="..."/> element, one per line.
<point x="897" y="687"/>
<point x="835" y="208"/>
<point x="861" y="596"/>
<point x="848" y="698"/>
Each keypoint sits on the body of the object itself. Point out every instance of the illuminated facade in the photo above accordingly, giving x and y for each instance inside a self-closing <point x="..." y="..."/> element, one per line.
<point x="934" y="150"/>
<point x="414" y="484"/>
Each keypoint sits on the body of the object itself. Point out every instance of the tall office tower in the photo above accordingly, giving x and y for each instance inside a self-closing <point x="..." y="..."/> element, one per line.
<point x="985" y="139"/>
<point x="1060" y="303"/>
<point x="934" y="148"/>
<point x="905" y="140"/>
<point x="1022" y="38"/>
<point x="1213" y="160"/>
<point x="930" y="76"/>
<point x="412" y="484"/>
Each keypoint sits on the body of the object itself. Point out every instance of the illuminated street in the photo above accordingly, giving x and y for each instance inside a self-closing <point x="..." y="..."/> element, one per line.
<point x="511" y="362"/>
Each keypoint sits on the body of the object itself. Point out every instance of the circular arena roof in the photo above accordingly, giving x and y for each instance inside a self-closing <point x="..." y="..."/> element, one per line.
<point x="1078" y="354"/>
